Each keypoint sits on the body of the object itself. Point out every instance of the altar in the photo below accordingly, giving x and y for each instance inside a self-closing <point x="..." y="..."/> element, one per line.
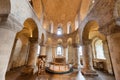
<point x="59" y="65"/>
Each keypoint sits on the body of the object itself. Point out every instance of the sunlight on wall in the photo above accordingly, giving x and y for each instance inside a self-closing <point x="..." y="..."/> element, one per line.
<point x="38" y="52"/>
<point x="99" y="49"/>
<point x="80" y="50"/>
<point x="59" y="31"/>
<point x="59" y="51"/>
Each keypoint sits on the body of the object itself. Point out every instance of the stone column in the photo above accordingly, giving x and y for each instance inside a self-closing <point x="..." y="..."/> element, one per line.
<point x="53" y="53"/>
<point x="75" y="54"/>
<point x="112" y="32"/>
<point x="33" y="50"/>
<point x="64" y="51"/>
<point x="108" y="58"/>
<point x="49" y="54"/>
<point x="43" y="50"/>
<point x="66" y="54"/>
<point x="79" y="63"/>
<point x="87" y="59"/>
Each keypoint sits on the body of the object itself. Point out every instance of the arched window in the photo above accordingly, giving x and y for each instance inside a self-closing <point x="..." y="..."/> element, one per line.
<point x="99" y="49"/>
<point x="80" y="50"/>
<point x="69" y="29"/>
<point x="59" y="51"/>
<point x="76" y="24"/>
<point x="59" y="31"/>
<point x="38" y="52"/>
<point x="51" y="27"/>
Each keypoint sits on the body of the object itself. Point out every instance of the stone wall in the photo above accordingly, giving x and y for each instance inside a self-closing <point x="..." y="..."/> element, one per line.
<point x="22" y="11"/>
<point x="17" y="12"/>
<point x="19" y="55"/>
<point x="102" y="13"/>
<point x="106" y="14"/>
<point x="6" y="41"/>
<point x="114" y="47"/>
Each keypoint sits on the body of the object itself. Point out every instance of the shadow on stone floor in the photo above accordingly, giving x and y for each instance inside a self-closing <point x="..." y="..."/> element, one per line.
<point x="75" y="75"/>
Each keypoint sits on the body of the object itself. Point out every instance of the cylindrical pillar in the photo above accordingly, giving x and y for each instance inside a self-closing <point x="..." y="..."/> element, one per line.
<point x="33" y="50"/>
<point x="49" y="55"/>
<point x="70" y="55"/>
<point x="107" y="55"/>
<point x="66" y="55"/>
<point x="75" y="65"/>
<point x="53" y="53"/>
<point x="43" y="50"/>
<point x="87" y="59"/>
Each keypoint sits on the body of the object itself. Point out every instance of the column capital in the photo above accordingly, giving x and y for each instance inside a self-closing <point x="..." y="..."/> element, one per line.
<point x="33" y="40"/>
<point x="110" y="28"/>
<point x="87" y="42"/>
<point x="64" y="45"/>
<point x="41" y="44"/>
<point x="75" y="44"/>
<point x="104" y="41"/>
<point x="54" y="46"/>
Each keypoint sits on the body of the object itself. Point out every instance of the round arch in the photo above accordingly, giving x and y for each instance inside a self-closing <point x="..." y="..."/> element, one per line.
<point x="31" y="27"/>
<point x="93" y="45"/>
<point x="69" y="41"/>
<point x="98" y="46"/>
<point x="59" y="41"/>
<point x="90" y="26"/>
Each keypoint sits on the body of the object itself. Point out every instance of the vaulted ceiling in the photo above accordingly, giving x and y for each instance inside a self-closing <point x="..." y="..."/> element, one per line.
<point x="61" y="11"/>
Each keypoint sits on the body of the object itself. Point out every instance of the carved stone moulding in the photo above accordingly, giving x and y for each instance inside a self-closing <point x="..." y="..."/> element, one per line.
<point x="110" y="28"/>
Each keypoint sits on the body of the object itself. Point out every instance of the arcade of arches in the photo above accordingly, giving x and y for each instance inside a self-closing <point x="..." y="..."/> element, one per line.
<point x="60" y="40"/>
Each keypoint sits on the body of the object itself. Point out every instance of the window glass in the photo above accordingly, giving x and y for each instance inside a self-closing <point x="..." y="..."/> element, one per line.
<point x="38" y="52"/>
<point x="80" y="50"/>
<point x="59" y="31"/>
<point x="99" y="49"/>
<point x="59" y="51"/>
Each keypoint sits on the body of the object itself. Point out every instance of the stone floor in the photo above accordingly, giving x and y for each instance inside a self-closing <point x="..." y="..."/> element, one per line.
<point x="75" y="75"/>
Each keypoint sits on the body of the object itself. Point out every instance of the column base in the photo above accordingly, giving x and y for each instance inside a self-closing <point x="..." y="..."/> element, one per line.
<point x="76" y="66"/>
<point x="87" y="72"/>
<point x="28" y="70"/>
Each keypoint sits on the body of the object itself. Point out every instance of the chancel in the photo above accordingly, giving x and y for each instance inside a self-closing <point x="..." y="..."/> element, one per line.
<point x="59" y="64"/>
<point x="59" y="39"/>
